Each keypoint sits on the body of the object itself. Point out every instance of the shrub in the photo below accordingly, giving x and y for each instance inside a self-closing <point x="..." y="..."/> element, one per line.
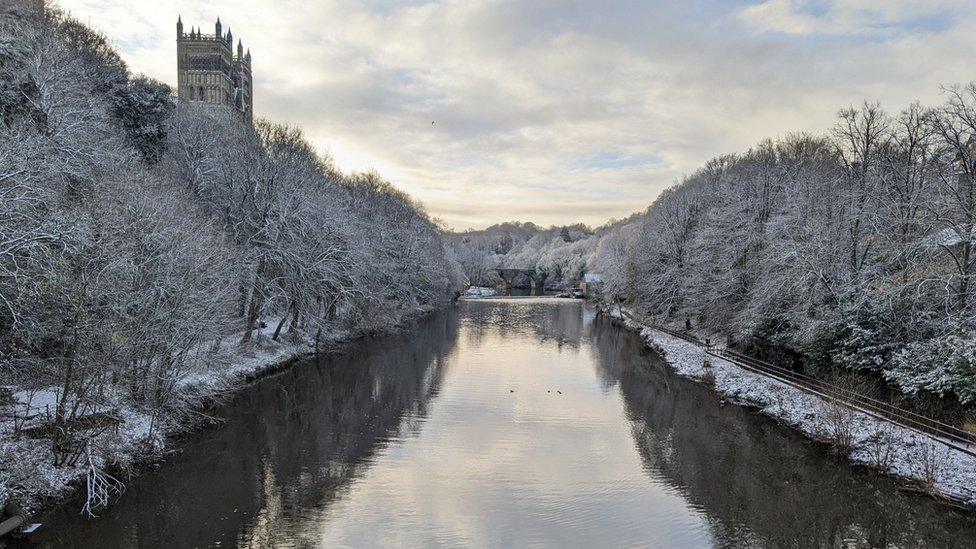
<point x="143" y="105"/>
<point x="863" y="342"/>
<point x="943" y="366"/>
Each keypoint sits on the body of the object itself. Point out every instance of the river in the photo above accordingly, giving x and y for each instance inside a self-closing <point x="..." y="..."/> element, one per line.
<point x="506" y="423"/>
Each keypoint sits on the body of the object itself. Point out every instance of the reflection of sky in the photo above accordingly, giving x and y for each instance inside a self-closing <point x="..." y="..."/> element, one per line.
<point x="451" y="434"/>
<point x="504" y="460"/>
<point x="537" y="100"/>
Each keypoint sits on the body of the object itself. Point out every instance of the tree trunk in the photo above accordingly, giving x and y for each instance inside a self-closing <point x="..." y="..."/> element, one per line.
<point x="963" y="295"/>
<point x="252" y="307"/>
<point x="281" y="324"/>
<point x="293" y="327"/>
<point x="252" y="317"/>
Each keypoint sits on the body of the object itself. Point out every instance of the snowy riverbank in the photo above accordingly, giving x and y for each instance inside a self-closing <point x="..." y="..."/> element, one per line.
<point x="929" y="465"/>
<point x="28" y="476"/>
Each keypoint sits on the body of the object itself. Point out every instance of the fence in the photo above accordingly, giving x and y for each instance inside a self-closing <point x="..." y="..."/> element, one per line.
<point x="952" y="436"/>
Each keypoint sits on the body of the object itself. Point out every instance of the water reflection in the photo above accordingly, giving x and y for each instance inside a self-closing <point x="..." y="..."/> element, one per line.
<point x="524" y="292"/>
<point x="486" y="321"/>
<point x="507" y="423"/>
<point x="759" y="484"/>
<point x="292" y="444"/>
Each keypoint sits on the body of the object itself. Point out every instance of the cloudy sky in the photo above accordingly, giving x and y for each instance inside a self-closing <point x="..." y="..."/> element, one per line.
<point x="557" y="111"/>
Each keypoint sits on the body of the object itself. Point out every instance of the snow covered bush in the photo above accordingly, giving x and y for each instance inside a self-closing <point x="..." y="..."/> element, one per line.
<point x="863" y="342"/>
<point x="144" y="107"/>
<point x="943" y="366"/>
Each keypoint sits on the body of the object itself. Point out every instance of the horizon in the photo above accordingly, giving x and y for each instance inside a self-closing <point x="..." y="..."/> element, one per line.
<point x="489" y="112"/>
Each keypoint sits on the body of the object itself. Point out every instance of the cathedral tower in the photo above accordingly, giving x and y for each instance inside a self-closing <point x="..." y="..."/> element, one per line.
<point x="208" y="71"/>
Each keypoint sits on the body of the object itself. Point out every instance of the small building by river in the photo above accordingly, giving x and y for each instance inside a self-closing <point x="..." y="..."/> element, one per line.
<point x="591" y="284"/>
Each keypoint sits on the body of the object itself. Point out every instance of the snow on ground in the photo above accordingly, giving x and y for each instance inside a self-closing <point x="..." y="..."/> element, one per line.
<point x="901" y="452"/>
<point x="27" y="474"/>
<point x="26" y="471"/>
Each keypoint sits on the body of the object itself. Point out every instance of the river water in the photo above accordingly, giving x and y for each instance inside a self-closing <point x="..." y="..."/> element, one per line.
<point x="506" y="423"/>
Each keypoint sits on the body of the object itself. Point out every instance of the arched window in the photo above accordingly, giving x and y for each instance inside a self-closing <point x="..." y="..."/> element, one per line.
<point x="202" y="97"/>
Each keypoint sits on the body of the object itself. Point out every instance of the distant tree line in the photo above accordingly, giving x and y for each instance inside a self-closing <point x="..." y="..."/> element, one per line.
<point x="559" y="253"/>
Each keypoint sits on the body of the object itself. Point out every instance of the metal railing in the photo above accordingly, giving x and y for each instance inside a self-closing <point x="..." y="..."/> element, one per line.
<point x="950" y="435"/>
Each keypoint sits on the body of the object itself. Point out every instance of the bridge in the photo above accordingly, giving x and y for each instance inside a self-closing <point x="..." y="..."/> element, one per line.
<point x="536" y="279"/>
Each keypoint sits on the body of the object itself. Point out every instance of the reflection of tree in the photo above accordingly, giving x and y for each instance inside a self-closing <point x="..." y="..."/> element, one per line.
<point x="291" y="444"/>
<point x="545" y="319"/>
<point x="295" y="443"/>
<point x="613" y="351"/>
<point x="758" y="483"/>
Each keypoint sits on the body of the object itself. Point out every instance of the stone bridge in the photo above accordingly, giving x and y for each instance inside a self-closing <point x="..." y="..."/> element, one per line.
<point x="537" y="279"/>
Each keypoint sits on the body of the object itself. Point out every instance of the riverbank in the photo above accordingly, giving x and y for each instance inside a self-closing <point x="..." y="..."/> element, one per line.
<point x="28" y="477"/>
<point x="923" y="463"/>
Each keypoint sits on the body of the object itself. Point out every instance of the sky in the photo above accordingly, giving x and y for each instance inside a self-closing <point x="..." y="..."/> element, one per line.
<point x="551" y="111"/>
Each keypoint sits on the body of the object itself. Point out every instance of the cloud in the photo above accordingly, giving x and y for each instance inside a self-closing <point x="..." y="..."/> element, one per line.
<point x="555" y="111"/>
<point x="865" y="18"/>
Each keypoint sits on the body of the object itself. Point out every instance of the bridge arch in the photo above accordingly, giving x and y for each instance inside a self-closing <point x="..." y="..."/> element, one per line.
<point x="537" y="279"/>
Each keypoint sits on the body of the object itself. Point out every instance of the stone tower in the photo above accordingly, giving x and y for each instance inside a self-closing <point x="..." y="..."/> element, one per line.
<point x="208" y="70"/>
